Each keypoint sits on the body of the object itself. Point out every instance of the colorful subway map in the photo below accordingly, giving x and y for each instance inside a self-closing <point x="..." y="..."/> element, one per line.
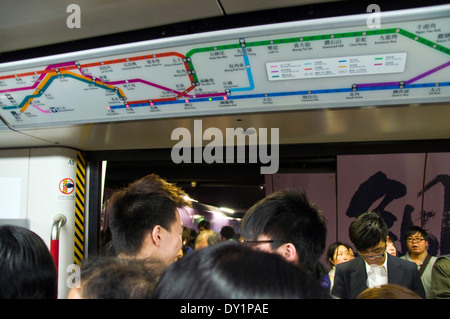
<point x="399" y="63"/>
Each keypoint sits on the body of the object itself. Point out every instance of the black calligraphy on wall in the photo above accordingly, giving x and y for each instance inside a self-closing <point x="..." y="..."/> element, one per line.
<point x="380" y="186"/>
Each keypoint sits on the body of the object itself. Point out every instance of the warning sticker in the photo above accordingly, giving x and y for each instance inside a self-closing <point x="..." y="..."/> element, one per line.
<point x="66" y="186"/>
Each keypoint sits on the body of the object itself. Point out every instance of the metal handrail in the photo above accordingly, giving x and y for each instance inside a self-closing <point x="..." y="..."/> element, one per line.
<point x="59" y="221"/>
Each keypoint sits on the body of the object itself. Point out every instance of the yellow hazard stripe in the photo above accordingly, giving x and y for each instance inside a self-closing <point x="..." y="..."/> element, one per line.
<point x="80" y="187"/>
<point x="80" y="227"/>
<point x="79" y="204"/>
<point x="80" y="172"/>
<point x="79" y="209"/>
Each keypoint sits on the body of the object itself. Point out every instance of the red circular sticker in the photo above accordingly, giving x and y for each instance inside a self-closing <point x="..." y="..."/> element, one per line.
<point x="66" y="186"/>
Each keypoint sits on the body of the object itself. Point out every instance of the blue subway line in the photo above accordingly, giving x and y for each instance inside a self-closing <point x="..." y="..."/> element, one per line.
<point x="280" y="94"/>
<point x="249" y="74"/>
<point x="49" y="82"/>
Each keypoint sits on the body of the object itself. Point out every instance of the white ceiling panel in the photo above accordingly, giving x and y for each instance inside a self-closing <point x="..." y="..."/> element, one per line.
<point x="412" y="122"/>
<point x="27" y="23"/>
<point x="14" y="139"/>
<point x="239" y="6"/>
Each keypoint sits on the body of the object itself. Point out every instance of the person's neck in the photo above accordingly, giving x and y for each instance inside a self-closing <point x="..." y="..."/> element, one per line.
<point x="417" y="258"/>
<point x="140" y="255"/>
<point x="381" y="262"/>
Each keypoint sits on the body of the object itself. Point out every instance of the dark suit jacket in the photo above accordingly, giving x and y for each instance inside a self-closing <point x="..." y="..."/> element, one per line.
<point x="351" y="278"/>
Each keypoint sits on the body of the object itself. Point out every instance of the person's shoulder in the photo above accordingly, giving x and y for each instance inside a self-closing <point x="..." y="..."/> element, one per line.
<point x="443" y="257"/>
<point x="402" y="262"/>
<point x="355" y="262"/>
<point x="404" y="257"/>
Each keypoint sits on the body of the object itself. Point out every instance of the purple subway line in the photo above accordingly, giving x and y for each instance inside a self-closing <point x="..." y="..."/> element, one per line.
<point x="428" y="73"/>
<point x="35" y="85"/>
<point x="207" y="95"/>
<point x="378" y="84"/>
<point x="49" y="67"/>
<point x="143" y="81"/>
<point x="438" y="68"/>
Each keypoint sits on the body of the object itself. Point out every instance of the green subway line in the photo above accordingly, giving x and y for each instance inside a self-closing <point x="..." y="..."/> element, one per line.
<point x="207" y="49"/>
<point x="322" y="37"/>
<point x="214" y="48"/>
<point x="424" y="41"/>
<point x="331" y="36"/>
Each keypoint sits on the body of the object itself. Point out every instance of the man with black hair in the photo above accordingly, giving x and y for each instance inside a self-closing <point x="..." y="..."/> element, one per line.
<point x="145" y="221"/>
<point x="204" y="225"/>
<point x="117" y="278"/>
<point x="227" y="233"/>
<point x="417" y="242"/>
<point x="373" y="267"/>
<point x="231" y="271"/>
<point x="286" y="223"/>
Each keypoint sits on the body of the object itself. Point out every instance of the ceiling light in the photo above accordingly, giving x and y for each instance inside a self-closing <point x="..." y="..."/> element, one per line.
<point x="227" y="210"/>
<point x="186" y="197"/>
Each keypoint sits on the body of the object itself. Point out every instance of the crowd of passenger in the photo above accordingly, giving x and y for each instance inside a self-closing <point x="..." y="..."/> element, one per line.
<point x="275" y="255"/>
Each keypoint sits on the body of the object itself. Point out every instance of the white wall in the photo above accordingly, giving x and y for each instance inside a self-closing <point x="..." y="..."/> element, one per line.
<point x="40" y="172"/>
<point x="14" y="165"/>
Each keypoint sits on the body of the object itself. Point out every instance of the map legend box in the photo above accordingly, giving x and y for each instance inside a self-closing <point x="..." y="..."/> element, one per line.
<point x="339" y="66"/>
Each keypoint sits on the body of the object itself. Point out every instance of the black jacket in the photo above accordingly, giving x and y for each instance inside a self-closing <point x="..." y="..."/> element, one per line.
<point x="351" y="277"/>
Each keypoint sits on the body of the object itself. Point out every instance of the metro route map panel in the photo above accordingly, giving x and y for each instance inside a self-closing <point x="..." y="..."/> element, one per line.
<point x="399" y="63"/>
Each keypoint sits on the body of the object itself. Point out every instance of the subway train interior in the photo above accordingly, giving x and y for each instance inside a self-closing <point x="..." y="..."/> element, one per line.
<point x="230" y="100"/>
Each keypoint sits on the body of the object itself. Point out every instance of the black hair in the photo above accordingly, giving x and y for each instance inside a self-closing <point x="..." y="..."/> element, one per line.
<point x="367" y="230"/>
<point x="138" y="208"/>
<point x="416" y="229"/>
<point x="27" y="270"/>
<point x="231" y="271"/>
<point x="332" y="250"/>
<point x="205" y="224"/>
<point x="116" y="278"/>
<point x="188" y="235"/>
<point x="288" y="217"/>
<point x="227" y="232"/>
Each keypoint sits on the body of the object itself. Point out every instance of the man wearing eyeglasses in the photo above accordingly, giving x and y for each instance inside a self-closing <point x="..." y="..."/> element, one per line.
<point x="374" y="266"/>
<point x="286" y="223"/>
<point x="417" y="243"/>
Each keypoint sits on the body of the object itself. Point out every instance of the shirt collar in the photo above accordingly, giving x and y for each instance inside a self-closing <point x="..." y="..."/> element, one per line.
<point x="408" y="257"/>
<point x="383" y="265"/>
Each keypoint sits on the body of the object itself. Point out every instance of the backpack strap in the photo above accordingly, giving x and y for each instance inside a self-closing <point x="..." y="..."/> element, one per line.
<point x="424" y="265"/>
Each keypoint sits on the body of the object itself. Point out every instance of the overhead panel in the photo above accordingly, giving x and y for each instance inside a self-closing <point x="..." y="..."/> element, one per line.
<point x="3" y="126"/>
<point x="316" y="64"/>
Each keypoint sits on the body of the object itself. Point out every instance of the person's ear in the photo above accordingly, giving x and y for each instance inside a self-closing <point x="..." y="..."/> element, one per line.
<point x="155" y="235"/>
<point x="152" y="239"/>
<point x="289" y="252"/>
